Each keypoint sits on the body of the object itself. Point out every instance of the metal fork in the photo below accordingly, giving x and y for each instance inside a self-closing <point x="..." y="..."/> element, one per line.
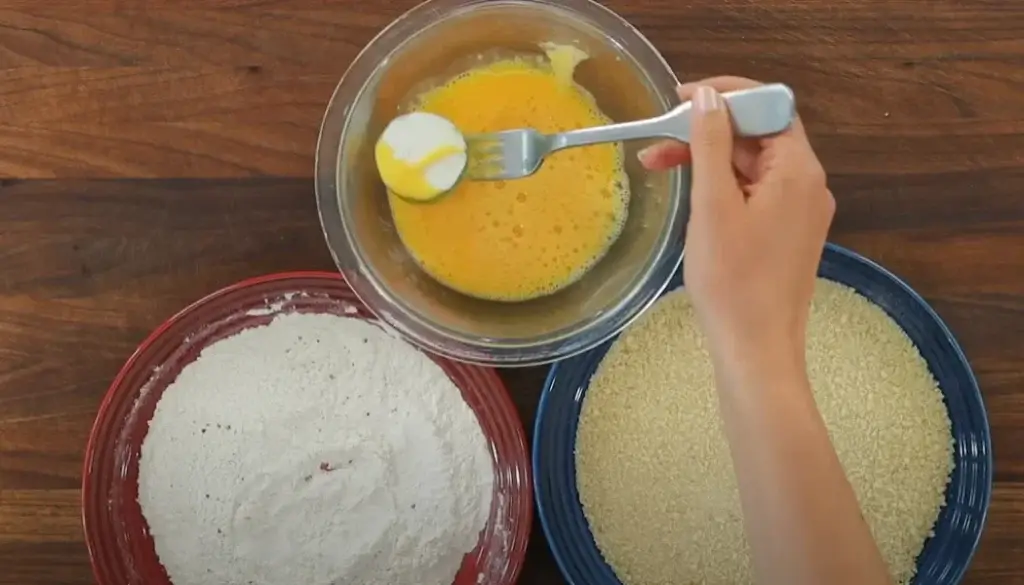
<point x="513" y="154"/>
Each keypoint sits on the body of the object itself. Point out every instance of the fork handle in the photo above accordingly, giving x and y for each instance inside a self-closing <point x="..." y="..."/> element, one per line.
<point x="758" y="111"/>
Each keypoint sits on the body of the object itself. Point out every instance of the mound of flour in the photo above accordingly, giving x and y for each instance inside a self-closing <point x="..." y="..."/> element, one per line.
<point x="316" y="450"/>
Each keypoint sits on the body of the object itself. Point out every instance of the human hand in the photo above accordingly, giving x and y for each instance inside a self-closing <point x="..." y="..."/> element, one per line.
<point x="759" y="214"/>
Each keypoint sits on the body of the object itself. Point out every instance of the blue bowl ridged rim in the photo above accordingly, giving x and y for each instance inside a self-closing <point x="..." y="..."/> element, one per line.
<point x="945" y="557"/>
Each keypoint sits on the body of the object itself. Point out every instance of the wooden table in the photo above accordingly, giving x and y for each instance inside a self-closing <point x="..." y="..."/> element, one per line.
<point x="154" y="151"/>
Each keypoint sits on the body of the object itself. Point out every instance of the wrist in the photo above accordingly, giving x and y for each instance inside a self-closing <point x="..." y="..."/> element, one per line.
<point x="779" y="361"/>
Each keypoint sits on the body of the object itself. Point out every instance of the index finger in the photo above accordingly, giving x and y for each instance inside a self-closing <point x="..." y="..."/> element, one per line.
<point x="670" y="153"/>
<point x="793" y="138"/>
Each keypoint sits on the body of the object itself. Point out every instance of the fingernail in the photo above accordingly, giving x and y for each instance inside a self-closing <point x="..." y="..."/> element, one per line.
<point x="706" y="99"/>
<point x="643" y="153"/>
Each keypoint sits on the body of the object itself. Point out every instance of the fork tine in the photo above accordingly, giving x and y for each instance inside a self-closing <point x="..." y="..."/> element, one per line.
<point x="484" y="169"/>
<point x="487" y="149"/>
<point x="497" y="156"/>
<point x="485" y="157"/>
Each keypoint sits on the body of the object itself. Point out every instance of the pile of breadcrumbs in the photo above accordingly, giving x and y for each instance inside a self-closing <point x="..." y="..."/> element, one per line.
<point x="653" y="468"/>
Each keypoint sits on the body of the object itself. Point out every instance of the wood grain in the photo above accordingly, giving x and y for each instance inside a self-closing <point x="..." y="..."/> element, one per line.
<point x="236" y="89"/>
<point x="153" y="151"/>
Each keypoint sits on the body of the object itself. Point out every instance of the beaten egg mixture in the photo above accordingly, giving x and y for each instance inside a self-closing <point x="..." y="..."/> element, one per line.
<point x="525" y="238"/>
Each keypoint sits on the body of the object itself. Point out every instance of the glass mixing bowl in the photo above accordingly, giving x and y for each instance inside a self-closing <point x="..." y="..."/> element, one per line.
<point x="628" y="78"/>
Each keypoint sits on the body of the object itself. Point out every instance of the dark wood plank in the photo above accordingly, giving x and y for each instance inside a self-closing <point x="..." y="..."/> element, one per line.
<point x="230" y="89"/>
<point x="915" y="106"/>
<point x="87" y="269"/>
<point x="45" y="563"/>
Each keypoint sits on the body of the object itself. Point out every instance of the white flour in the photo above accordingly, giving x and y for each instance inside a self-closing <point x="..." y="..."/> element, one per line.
<point x="316" y="450"/>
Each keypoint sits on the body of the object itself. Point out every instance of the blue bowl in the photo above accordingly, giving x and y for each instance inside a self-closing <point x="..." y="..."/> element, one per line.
<point x="945" y="556"/>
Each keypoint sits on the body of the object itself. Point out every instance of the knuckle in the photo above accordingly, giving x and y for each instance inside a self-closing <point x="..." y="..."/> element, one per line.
<point x="815" y="177"/>
<point x="714" y="132"/>
<point x="811" y="181"/>
<point x="829" y="204"/>
<point x="707" y="140"/>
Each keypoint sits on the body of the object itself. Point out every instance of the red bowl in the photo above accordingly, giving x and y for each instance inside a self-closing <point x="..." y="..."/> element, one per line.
<point x="120" y="548"/>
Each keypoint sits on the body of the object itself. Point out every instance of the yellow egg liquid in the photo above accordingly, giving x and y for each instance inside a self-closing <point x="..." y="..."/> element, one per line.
<point x="525" y="238"/>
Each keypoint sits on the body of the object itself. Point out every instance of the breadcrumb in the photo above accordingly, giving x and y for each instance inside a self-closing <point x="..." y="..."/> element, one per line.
<point x="653" y="468"/>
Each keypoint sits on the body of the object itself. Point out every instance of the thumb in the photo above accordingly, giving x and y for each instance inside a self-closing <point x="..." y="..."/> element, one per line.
<point x="711" y="143"/>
